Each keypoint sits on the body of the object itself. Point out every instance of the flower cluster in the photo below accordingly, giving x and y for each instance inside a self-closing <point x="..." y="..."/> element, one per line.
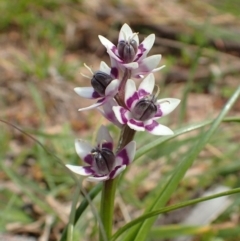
<point x="122" y="103"/>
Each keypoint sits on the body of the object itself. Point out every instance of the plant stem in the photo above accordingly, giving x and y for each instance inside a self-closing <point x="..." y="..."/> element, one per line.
<point x="107" y="208"/>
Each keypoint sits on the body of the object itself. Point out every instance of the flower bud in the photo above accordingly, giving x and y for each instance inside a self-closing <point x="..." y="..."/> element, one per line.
<point x="100" y="81"/>
<point x="104" y="160"/>
<point x="127" y="50"/>
<point x="145" y="109"/>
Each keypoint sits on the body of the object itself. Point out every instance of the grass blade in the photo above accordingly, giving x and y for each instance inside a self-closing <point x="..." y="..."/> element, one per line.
<point x="169" y="209"/>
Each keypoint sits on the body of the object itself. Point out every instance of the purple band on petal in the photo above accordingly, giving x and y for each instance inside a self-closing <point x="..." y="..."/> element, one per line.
<point x="136" y="123"/>
<point x="141" y="48"/>
<point x="114" y="50"/>
<point x="95" y="95"/>
<point x="142" y="93"/>
<point x="108" y="145"/>
<point x="123" y="112"/>
<point x="151" y="126"/>
<point x="101" y="100"/>
<point x="111" y="116"/>
<point x="139" y="55"/>
<point x="159" y="112"/>
<point x="113" y="172"/>
<point x="88" y="170"/>
<point x="114" y="72"/>
<point x="124" y="155"/>
<point x="130" y="100"/>
<point x="88" y="159"/>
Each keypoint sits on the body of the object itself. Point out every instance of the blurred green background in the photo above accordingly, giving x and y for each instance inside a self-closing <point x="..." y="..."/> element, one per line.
<point x="43" y="46"/>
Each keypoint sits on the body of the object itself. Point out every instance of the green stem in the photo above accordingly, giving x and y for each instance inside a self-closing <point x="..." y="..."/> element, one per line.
<point x="107" y="208"/>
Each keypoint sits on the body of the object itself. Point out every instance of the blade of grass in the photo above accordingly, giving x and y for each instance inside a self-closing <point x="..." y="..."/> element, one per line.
<point x="153" y="144"/>
<point x="73" y="212"/>
<point x="149" y="215"/>
<point x="173" y="231"/>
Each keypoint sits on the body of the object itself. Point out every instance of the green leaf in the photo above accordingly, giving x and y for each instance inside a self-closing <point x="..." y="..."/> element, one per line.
<point x="146" y="216"/>
<point x="153" y="144"/>
<point x="173" y="231"/>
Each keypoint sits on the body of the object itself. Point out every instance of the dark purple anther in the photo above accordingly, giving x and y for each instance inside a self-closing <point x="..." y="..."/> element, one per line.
<point x="104" y="160"/>
<point x="100" y="81"/>
<point x="127" y="50"/>
<point x="145" y="109"/>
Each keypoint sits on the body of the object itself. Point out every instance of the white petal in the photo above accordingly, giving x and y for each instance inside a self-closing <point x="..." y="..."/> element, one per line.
<point x="132" y="65"/>
<point x="103" y="134"/>
<point x="147" y="43"/>
<point x="105" y="42"/>
<point x="140" y="74"/>
<point x="99" y="103"/>
<point x="116" y="67"/>
<point x="98" y="179"/>
<point x="105" y="68"/>
<point x="112" y="88"/>
<point x="135" y="37"/>
<point x="157" y="129"/>
<point x="146" y="86"/>
<point x="131" y="96"/>
<point x="167" y="105"/>
<point x="131" y="150"/>
<point x="121" y="114"/>
<point x="108" y="113"/>
<point x="125" y="33"/>
<point x="86" y="92"/>
<point x="136" y="125"/>
<point x="118" y="171"/>
<point x="147" y="65"/>
<point x="78" y="170"/>
<point x="113" y="55"/>
<point x="82" y="148"/>
<point x="159" y="68"/>
<point x="126" y="155"/>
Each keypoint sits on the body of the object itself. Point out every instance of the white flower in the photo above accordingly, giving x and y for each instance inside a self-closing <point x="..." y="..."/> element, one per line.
<point x="130" y="54"/>
<point x="102" y="163"/>
<point x="106" y="90"/>
<point x="142" y="109"/>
